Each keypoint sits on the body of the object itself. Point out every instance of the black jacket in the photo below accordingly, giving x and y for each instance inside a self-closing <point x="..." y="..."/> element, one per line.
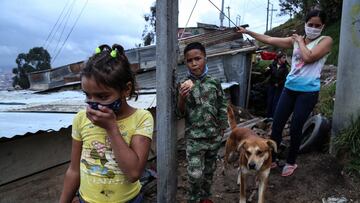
<point x="277" y="74"/>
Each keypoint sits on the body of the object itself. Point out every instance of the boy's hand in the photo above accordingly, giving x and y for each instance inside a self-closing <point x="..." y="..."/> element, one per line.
<point x="185" y="88"/>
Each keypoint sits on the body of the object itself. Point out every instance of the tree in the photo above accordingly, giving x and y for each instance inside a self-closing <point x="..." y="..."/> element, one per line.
<point x="290" y="7"/>
<point x="37" y="59"/>
<point x="299" y="8"/>
<point x="332" y="8"/>
<point x="148" y="35"/>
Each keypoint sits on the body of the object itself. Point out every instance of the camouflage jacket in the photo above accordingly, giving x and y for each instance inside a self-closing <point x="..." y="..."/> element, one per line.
<point x="205" y="109"/>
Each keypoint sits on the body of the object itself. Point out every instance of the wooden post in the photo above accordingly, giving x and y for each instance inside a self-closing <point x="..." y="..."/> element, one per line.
<point x="166" y="63"/>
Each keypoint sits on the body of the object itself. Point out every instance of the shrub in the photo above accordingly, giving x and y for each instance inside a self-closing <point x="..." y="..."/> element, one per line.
<point x="325" y="106"/>
<point x="348" y="142"/>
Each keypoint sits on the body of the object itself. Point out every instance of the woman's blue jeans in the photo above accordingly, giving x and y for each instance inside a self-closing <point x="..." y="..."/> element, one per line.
<point x="300" y="104"/>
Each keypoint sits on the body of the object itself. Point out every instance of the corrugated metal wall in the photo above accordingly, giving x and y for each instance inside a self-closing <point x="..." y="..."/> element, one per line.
<point x="226" y="68"/>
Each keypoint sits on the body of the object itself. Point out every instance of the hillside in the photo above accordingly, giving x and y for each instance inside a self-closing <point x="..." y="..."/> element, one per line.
<point x="297" y="26"/>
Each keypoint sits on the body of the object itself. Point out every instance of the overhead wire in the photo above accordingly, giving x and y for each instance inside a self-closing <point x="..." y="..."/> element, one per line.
<point x="246" y="3"/>
<point x="72" y="28"/>
<point x="223" y="14"/>
<point x="59" y="25"/>
<point x="261" y="25"/>
<point x="57" y="21"/>
<point x="237" y="27"/>
<point x="188" y="19"/>
<point x="65" y="25"/>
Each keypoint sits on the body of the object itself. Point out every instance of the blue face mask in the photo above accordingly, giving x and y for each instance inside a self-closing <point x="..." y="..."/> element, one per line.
<point x="115" y="106"/>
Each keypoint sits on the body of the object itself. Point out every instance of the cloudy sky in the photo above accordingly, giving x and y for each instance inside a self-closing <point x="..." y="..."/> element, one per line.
<point x="25" y="24"/>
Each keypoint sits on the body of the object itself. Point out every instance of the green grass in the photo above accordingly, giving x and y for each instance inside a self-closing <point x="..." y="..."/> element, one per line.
<point x="333" y="31"/>
<point x="325" y="106"/>
<point x="261" y="65"/>
<point x="348" y="141"/>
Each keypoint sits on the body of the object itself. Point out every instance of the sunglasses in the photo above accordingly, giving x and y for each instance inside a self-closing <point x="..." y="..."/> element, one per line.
<point x="314" y="25"/>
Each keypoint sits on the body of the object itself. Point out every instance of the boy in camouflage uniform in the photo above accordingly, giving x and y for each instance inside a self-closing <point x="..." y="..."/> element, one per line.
<point x="202" y="102"/>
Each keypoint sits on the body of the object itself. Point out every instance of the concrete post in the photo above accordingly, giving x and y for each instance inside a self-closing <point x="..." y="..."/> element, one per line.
<point x="267" y="15"/>
<point x="222" y="14"/>
<point x="166" y="63"/>
<point x="347" y="100"/>
<point x="228" y="8"/>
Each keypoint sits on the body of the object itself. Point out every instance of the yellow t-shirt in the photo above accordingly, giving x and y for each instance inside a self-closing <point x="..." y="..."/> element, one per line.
<point x="101" y="180"/>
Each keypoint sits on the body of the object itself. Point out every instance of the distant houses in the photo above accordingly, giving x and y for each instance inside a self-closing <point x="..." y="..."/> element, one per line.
<point x="5" y="79"/>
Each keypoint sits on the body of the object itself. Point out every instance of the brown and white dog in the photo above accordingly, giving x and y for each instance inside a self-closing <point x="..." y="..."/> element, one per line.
<point x="253" y="153"/>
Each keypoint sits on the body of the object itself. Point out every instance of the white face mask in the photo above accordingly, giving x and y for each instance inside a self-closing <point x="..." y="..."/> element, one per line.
<point x="312" y="32"/>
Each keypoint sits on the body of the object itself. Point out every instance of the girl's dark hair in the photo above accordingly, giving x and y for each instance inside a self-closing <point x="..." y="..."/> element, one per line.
<point x="110" y="67"/>
<point x="194" y="45"/>
<point x="316" y="13"/>
<point x="280" y="54"/>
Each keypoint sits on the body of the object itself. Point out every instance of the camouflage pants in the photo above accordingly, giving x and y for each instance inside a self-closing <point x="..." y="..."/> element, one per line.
<point x="201" y="155"/>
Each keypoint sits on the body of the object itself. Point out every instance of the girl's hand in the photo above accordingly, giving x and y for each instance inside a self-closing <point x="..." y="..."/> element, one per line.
<point x="298" y="38"/>
<point x="242" y="30"/>
<point x="104" y="117"/>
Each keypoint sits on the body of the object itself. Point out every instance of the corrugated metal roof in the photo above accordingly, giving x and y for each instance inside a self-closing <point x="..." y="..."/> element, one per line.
<point x="16" y="123"/>
<point x="144" y="101"/>
<point x="15" y="100"/>
<point x="147" y="101"/>
<point x="66" y="101"/>
<point x="43" y="112"/>
<point x="36" y="107"/>
<point x="148" y="79"/>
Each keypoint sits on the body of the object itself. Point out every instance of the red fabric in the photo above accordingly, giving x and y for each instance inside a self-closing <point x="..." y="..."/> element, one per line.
<point x="266" y="55"/>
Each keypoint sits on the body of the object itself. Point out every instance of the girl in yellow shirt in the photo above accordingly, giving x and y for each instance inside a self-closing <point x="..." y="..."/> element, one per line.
<point x="111" y="140"/>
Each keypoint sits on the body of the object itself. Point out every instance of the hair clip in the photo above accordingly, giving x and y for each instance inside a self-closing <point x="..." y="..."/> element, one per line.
<point x="113" y="53"/>
<point x="97" y="50"/>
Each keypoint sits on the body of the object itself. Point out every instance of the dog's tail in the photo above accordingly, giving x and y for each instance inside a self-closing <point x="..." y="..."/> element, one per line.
<point x="231" y="117"/>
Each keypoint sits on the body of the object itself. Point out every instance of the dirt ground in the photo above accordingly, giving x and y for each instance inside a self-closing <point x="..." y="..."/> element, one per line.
<point x="318" y="176"/>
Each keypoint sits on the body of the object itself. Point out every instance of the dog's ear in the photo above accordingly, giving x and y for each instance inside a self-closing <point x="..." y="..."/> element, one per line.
<point x="272" y="144"/>
<point x="240" y="145"/>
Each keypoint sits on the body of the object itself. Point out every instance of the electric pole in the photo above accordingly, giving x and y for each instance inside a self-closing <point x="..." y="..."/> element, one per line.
<point x="228" y="8"/>
<point x="222" y="14"/>
<point x="238" y="18"/>
<point x="267" y="15"/>
<point x="271" y="16"/>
